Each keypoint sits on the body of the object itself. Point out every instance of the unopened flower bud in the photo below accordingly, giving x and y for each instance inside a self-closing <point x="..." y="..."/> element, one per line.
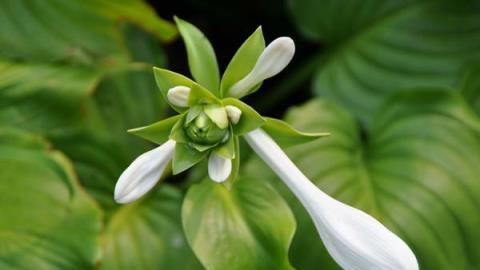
<point x="203" y="130"/>
<point x="273" y="59"/>
<point x="233" y="113"/>
<point x="178" y="95"/>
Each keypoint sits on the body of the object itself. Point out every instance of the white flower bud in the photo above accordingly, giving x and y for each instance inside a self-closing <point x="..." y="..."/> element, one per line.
<point x="178" y="95"/>
<point x="276" y="56"/>
<point x="219" y="168"/>
<point x="233" y="113"/>
<point x="143" y="173"/>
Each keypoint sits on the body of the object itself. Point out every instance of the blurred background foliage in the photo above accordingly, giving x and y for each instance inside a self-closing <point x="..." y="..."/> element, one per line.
<point x="396" y="82"/>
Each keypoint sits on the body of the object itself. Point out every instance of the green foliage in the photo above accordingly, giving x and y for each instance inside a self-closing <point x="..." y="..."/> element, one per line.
<point x="416" y="172"/>
<point x="72" y="72"/>
<point x="243" y="61"/>
<point x="285" y="135"/>
<point x="254" y="231"/>
<point x="153" y="225"/>
<point x="249" y="120"/>
<point x="201" y="57"/>
<point x="381" y="47"/>
<point x="396" y="84"/>
<point x="48" y="221"/>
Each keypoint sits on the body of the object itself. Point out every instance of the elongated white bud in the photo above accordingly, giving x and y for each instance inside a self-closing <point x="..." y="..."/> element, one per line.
<point x="178" y="95"/>
<point x="143" y="173"/>
<point x="354" y="239"/>
<point x="273" y="59"/>
<point x="233" y="113"/>
<point x="219" y="168"/>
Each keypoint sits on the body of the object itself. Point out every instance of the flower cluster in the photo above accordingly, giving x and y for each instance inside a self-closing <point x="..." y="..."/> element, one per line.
<point x="210" y="121"/>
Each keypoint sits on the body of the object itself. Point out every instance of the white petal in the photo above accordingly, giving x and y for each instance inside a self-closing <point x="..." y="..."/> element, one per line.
<point x="219" y="168"/>
<point x="233" y="113"/>
<point x="143" y="173"/>
<point x="178" y="95"/>
<point x="276" y="56"/>
<point x="354" y="239"/>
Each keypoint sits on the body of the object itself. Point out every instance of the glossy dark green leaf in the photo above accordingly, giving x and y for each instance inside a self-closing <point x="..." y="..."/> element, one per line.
<point x="201" y="57"/>
<point x="383" y="47"/>
<point x="243" y="61"/>
<point x="77" y="31"/>
<point x="416" y="171"/>
<point x="246" y="227"/>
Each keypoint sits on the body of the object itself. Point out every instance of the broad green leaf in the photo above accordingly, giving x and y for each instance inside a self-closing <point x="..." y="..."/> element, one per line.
<point x="201" y="57"/>
<point x="185" y="157"/>
<point x="335" y="21"/>
<point x="167" y="79"/>
<point x="148" y="235"/>
<point x="43" y="97"/>
<point x="47" y="221"/>
<point x="249" y="120"/>
<point x="243" y="61"/>
<point x="285" y="135"/>
<point x="158" y="132"/>
<point x="416" y="171"/>
<point x="388" y="46"/>
<point x="139" y="13"/>
<point x="247" y="227"/>
<point x="471" y="87"/>
<point x="77" y="31"/>
<point x="99" y="145"/>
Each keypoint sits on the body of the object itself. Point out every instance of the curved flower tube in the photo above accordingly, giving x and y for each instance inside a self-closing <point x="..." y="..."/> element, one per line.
<point x="354" y="239"/>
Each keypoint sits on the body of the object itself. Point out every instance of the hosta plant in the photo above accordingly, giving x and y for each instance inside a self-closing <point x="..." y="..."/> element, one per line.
<point x="211" y="119"/>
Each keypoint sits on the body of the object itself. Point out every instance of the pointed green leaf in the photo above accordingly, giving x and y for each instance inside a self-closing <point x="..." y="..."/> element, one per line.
<point x="249" y="120"/>
<point x="158" y="132"/>
<point x="201" y="57"/>
<point x="246" y="227"/>
<point x="178" y="132"/>
<point x="286" y="135"/>
<point x="243" y="61"/>
<point x="167" y="79"/>
<point x="200" y="95"/>
<point x="185" y="157"/>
